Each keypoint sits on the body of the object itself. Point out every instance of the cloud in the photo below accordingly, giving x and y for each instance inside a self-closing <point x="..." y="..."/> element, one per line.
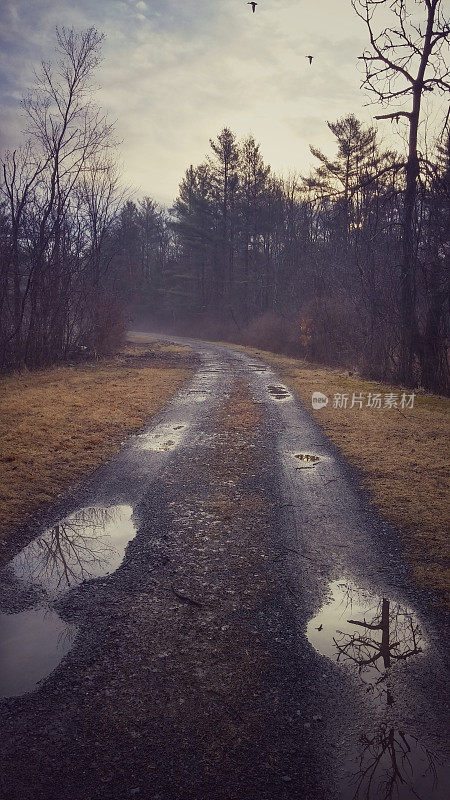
<point x="174" y="73"/>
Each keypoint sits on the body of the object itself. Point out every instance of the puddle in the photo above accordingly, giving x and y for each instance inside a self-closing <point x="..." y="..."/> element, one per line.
<point x="279" y="392"/>
<point x="258" y="368"/>
<point x="32" y="644"/>
<point x="364" y="632"/>
<point x="307" y="457"/>
<point x="368" y="635"/>
<point x="196" y="395"/>
<point x="162" y="439"/>
<point x="199" y="395"/>
<point x="393" y="765"/>
<point x="309" y="460"/>
<point x="85" y="545"/>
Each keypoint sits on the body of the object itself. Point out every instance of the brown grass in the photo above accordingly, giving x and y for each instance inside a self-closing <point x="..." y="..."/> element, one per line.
<point x="58" y="425"/>
<point x="156" y="346"/>
<point x="404" y="458"/>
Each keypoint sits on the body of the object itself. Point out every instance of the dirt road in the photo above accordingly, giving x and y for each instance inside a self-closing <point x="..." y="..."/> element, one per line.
<point x="219" y="613"/>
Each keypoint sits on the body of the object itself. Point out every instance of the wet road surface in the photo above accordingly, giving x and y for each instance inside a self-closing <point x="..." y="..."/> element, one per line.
<point x="219" y="613"/>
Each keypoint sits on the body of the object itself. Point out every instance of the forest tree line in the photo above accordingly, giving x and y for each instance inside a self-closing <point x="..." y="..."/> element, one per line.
<point x="347" y="266"/>
<point x="309" y="266"/>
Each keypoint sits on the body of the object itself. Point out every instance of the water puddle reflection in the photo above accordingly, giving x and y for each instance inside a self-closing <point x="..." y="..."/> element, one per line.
<point x="279" y="392"/>
<point x="87" y="544"/>
<point x="257" y="368"/>
<point x="32" y="644"/>
<point x="309" y="460"/>
<point x="393" y="764"/>
<point x="198" y="395"/>
<point x="368" y="635"/>
<point x="364" y="632"/>
<point x="163" y="438"/>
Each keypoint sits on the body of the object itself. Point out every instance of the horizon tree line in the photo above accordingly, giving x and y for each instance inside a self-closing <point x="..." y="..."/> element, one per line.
<point x="314" y="265"/>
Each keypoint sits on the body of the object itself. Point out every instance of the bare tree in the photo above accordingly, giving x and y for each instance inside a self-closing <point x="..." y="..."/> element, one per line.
<point x="21" y="173"/>
<point x="403" y="61"/>
<point x="61" y="193"/>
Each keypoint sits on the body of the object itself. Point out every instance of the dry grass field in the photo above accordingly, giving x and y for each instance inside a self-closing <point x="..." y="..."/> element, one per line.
<point x="58" y="425"/>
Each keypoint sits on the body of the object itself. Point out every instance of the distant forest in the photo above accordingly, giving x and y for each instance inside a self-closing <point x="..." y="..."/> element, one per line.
<point x="346" y="266"/>
<point x="309" y="266"/>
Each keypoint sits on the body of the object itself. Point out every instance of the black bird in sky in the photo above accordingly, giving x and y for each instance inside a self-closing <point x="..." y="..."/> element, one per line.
<point x="310" y="58"/>
<point x="253" y="5"/>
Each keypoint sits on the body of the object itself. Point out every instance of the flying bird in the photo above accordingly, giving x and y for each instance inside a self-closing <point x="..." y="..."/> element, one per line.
<point x="319" y="628"/>
<point x="253" y="5"/>
<point x="310" y="58"/>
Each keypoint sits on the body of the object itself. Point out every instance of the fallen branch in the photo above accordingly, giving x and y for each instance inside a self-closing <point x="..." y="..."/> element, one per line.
<point x="185" y="599"/>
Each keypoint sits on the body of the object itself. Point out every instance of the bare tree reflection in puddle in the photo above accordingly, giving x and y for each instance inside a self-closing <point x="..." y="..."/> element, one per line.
<point x="394" y="764"/>
<point x="88" y="544"/>
<point x="85" y="545"/>
<point x="365" y="632"/>
<point x="369" y="635"/>
<point x="399" y="637"/>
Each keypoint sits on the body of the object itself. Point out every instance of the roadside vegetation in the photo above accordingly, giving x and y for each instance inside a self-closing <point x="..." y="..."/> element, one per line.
<point x="403" y="456"/>
<point x="57" y="425"/>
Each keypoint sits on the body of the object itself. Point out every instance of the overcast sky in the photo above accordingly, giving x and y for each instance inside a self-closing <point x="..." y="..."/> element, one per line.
<point x="176" y="71"/>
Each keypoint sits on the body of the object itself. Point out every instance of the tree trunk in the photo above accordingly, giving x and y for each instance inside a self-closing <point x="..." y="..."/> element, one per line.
<point x="407" y="275"/>
<point x="409" y="339"/>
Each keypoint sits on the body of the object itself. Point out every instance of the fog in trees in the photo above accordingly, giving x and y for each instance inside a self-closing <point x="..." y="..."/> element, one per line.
<point x="312" y="265"/>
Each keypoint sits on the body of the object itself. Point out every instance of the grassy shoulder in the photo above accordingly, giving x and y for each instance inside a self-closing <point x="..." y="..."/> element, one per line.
<point x="58" y="425"/>
<point x="403" y="456"/>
